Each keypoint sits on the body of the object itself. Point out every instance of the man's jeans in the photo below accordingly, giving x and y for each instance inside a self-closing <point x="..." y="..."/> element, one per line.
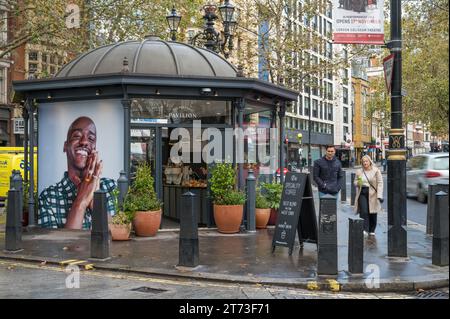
<point x="323" y="194"/>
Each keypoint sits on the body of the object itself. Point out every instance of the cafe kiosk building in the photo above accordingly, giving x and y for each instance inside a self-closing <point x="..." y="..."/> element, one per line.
<point x="157" y="86"/>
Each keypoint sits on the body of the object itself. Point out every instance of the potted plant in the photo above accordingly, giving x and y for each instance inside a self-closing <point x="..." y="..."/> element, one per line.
<point x="262" y="211"/>
<point x="142" y="203"/>
<point x="120" y="224"/>
<point x="228" y="202"/>
<point x="273" y="194"/>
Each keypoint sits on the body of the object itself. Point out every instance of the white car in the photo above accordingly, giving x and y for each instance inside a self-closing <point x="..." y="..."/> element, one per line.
<point x="423" y="170"/>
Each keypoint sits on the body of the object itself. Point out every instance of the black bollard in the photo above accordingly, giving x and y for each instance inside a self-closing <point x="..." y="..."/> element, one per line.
<point x="355" y="245"/>
<point x="16" y="182"/>
<point x="188" y="248"/>
<point x="440" y="230"/>
<point x="344" y="187"/>
<point x="251" y="201"/>
<point x="352" y="189"/>
<point x="327" y="248"/>
<point x="13" y="236"/>
<point x="100" y="232"/>
<point x="433" y="189"/>
<point x="122" y="184"/>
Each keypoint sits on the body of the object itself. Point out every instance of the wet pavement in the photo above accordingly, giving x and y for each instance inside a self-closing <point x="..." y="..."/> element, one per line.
<point x="248" y="257"/>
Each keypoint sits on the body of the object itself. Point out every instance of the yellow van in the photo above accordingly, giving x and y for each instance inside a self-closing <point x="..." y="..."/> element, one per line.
<point x="12" y="158"/>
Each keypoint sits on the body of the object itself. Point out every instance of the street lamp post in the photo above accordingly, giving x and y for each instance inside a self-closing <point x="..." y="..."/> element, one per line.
<point x="219" y="42"/>
<point x="397" y="235"/>
<point x="173" y="20"/>
<point x="309" y="128"/>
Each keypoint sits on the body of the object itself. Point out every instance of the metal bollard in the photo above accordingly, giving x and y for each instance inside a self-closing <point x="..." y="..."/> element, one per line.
<point x="13" y="236"/>
<point x="16" y="182"/>
<point x="352" y="189"/>
<point x="251" y="201"/>
<point x="122" y="184"/>
<point x="344" y="188"/>
<point x="100" y="232"/>
<point x="188" y="247"/>
<point x="433" y="189"/>
<point x="440" y="230"/>
<point x="327" y="248"/>
<point x="355" y="245"/>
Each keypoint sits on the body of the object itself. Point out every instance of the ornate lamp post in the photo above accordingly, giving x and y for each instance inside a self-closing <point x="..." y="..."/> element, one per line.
<point x="209" y="37"/>
<point x="173" y="20"/>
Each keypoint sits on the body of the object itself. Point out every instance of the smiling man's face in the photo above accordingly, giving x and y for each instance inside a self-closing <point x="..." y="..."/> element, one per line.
<point x="81" y="141"/>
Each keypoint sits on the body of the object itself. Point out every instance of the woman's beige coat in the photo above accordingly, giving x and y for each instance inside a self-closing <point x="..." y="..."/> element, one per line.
<point x="375" y="178"/>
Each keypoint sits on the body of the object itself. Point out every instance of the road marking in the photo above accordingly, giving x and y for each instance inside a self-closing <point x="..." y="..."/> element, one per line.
<point x="65" y="262"/>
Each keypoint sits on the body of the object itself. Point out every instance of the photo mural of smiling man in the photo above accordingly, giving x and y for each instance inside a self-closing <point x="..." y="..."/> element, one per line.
<point x="69" y="202"/>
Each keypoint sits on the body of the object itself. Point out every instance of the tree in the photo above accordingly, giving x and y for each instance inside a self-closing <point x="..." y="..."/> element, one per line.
<point x="100" y="22"/>
<point x="425" y="63"/>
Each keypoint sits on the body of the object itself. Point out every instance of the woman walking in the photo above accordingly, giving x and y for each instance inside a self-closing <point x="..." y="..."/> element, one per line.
<point x="370" y="194"/>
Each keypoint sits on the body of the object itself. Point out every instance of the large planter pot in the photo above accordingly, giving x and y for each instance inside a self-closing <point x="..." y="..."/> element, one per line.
<point x="120" y="232"/>
<point x="146" y="223"/>
<point x="262" y="217"/>
<point x="228" y="218"/>
<point x="273" y="216"/>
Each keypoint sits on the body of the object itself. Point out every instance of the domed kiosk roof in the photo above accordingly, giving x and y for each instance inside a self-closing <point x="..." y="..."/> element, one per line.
<point x="151" y="67"/>
<point x="150" y="56"/>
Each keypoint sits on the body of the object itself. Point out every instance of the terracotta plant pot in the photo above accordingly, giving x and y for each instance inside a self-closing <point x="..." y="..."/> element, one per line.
<point x="273" y="216"/>
<point x="120" y="232"/>
<point x="228" y="218"/>
<point x="147" y="223"/>
<point x="262" y="217"/>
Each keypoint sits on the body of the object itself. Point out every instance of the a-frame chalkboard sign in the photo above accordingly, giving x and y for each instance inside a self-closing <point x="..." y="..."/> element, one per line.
<point x="296" y="212"/>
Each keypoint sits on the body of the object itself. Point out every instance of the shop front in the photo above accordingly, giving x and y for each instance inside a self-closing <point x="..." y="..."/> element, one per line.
<point x="167" y="104"/>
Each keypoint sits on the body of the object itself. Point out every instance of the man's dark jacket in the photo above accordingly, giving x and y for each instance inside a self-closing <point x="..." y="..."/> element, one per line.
<point x="328" y="175"/>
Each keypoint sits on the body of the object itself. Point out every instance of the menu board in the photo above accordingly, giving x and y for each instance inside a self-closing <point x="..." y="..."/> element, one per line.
<point x="296" y="213"/>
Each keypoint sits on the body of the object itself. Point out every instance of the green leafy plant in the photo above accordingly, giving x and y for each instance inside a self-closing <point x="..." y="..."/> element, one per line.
<point x="222" y="185"/>
<point x="120" y="217"/>
<point x="273" y="194"/>
<point x="261" y="201"/>
<point x="141" y="195"/>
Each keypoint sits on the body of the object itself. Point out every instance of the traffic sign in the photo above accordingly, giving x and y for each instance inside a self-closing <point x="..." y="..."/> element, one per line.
<point x="388" y="66"/>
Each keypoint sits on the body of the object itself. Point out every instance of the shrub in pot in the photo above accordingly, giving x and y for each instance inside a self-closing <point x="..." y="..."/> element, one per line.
<point x="273" y="194"/>
<point x="262" y="211"/>
<point x="120" y="223"/>
<point x="228" y="202"/>
<point x="142" y="202"/>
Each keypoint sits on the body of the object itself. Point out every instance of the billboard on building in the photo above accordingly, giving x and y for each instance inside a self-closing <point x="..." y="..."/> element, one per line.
<point x="80" y="151"/>
<point x="358" y="22"/>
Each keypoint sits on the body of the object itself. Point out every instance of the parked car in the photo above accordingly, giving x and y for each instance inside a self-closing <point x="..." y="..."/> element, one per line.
<point x="423" y="170"/>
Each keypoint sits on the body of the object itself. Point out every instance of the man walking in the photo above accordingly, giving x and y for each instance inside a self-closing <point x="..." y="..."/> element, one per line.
<point x="328" y="173"/>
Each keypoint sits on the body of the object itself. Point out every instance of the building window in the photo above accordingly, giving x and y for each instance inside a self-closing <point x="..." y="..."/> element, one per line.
<point x="315" y="86"/>
<point x="329" y="50"/>
<point x="321" y="110"/>
<point x="346" y="115"/>
<point x="300" y="105"/>
<point x="330" y="112"/>
<point x="32" y="68"/>
<point x="307" y="106"/>
<point x="330" y="91"/>
<point x="345" y="95"/>
<point x="32" y="56"/>
<point x="329" y="10"/>
<point x="315" y="108"/>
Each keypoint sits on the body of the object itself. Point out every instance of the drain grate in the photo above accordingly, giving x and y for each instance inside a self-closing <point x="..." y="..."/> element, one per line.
<point x="432" y="294"/>
<point x="149" y="290"/>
